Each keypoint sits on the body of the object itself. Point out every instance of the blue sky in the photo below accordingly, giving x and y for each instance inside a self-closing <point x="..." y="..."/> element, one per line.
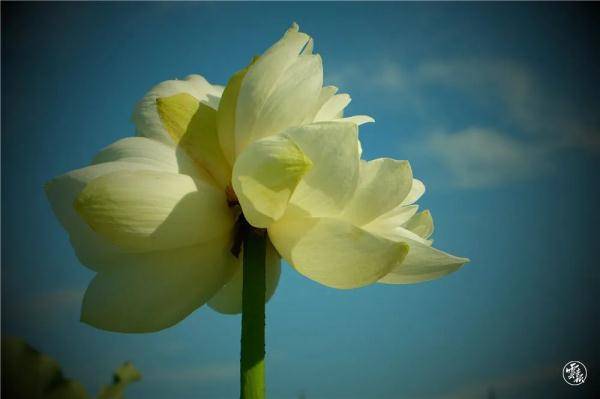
<point x="496" y="107"/>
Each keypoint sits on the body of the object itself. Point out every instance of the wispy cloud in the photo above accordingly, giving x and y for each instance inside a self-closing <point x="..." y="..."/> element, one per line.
<point x="46" y="309"/>
<point x="478" y="157"/>
<point x="539" y="123"/>
<point x="54" y="301"/>
<point x="508" y="83"/>
<point x="391" y="76"/>
<point x="520" y="94"/>
<point x="386" y="76"/>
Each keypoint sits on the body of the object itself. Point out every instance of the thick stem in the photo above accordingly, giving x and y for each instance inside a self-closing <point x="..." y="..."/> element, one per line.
<point x="252" y="363"/>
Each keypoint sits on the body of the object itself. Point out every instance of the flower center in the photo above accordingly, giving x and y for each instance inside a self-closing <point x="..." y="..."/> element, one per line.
<point x="241" y="227"/>
<point x="232" y="199"/>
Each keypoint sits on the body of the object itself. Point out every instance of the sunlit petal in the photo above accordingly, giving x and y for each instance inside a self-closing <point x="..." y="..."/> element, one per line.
<point x="148" y="210"/>
<point x="332" y="147"/>
<point x="357" y="119"/>
<point x="279" y="89"/>
<point x="416" y="191"/>
<point x="421" y="224"/>
<point x="265" y="176"/>
<point x="334" y="252"/>
<point x="423" y="263"/>
<point x="382" y="185"/>
<point x="287" y="105"/>
<point x="333" y="107"/>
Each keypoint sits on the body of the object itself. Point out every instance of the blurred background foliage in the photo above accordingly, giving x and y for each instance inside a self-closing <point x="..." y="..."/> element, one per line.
<point x="30" y="374"/>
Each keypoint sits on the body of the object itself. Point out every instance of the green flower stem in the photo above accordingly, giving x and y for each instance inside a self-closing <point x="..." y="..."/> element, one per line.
<point x="252" y="364"/>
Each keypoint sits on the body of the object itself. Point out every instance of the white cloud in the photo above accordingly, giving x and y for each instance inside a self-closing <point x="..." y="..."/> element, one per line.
<point x="523" y="98"/>
<point x="386" y="75"/>
<point x="391" y="76"/>
<point x="540" y="122"/>
<point x="512" y="82"/>
<point x="478" y="157"/>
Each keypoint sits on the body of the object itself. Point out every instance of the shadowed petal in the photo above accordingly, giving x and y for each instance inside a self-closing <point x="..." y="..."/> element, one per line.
<point x="142" y="149"/>
<point x="193" y="127"/>
<point x="226" y="115"/>
<point x="145" y="116"/>
<point x="91" y="249"/>
<point x="229" y="299"/>
<point x="157" y="290"/>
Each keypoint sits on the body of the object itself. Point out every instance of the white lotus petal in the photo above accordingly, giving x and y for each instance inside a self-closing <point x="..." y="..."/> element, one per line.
<point x="265" y="176"/>
<point x="324" y="95"/>
<point x="261" y="82"/>
<point x="308" y="49"/>
<point x="217" y="90"/>
<point x="382" y="185"/>
<point x="226" y="115"/>
<point x="229" y="299"/>
<point x="333" y="252"/>
<point x="332" y="147"/>
<point x="398" y="216"/>
<point x="421" y="224"/>
<point x="291" y="100"/>
<point x="142" y="149"/>
<point x="148" y="210"/>
<point x="333" y="107"/>
<point x="394" y="232"/>
<point x="91" y="249"/>
<point x="157" y="290"/>
<point x="416" y="191"/>
<point x="145" y="115"/>
<point x="423" y="263"/>
<point x="357" y="119"/>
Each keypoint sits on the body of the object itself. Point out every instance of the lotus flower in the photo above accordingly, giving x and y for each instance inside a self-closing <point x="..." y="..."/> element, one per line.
<point x="155" y="215"/>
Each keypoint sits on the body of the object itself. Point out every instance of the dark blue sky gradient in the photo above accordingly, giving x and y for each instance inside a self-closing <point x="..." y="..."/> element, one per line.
<point x="446" y="83"/>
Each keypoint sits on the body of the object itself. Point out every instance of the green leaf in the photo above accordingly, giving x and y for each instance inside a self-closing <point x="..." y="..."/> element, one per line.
<point x="29" y="374"/>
